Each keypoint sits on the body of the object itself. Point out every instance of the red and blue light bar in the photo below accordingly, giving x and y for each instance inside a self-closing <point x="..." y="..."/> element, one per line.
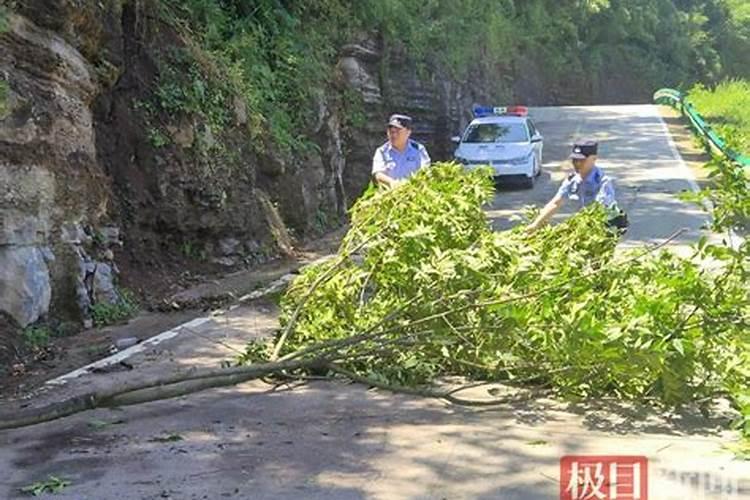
<point x="480" y="111"/>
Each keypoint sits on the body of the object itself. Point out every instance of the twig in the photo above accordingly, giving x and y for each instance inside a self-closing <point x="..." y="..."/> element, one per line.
<point x="367" y="334"/>
<point x="426" y="392"/>
<point x="320" y="280"/>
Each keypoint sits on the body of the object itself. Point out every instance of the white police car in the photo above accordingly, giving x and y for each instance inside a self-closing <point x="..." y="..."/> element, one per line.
<point x="504" y="138"/>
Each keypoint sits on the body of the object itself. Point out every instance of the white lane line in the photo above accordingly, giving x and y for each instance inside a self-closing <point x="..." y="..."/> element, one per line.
<point x="687" y="174"/>
<point x="126" y="353"/>
<point x="275" y="286"/>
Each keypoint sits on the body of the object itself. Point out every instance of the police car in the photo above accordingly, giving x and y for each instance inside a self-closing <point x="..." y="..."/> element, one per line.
<point x="504" y="138"/>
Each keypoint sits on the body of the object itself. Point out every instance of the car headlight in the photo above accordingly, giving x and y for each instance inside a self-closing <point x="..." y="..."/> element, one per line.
<point x="521" y="160"/>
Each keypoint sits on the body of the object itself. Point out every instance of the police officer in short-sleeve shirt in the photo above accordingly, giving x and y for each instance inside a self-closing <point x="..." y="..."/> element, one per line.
<point x="400" y="157"/>
<point x="588" y="184"/>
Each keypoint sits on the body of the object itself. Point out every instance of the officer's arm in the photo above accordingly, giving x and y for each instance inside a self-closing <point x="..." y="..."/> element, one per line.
<point x="548" y="211"/>
<point x="384" y="179"/>
<point x="379" y="174"/>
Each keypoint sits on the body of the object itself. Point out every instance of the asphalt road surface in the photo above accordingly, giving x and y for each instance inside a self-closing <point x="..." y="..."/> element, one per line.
<point x="635" y="150"/>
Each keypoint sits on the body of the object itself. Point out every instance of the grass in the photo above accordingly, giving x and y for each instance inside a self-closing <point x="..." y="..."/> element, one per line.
<point x="36" y="337"/>
<point x="105" y="313"/>
<point x="725" y="108"/>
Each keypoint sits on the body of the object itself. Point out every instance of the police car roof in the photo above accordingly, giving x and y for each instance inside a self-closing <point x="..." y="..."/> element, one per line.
<point x="499" y="119"/>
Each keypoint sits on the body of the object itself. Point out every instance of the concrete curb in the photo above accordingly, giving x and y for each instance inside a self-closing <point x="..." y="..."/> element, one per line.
<point x="274" y="287"/>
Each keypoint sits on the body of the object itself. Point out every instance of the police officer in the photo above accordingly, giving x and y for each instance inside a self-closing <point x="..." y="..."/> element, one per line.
<point x="400" y="157"/>
<point x="588" y="184"/>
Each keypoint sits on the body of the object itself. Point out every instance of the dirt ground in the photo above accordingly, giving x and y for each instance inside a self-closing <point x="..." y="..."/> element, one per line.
<point x="694" y="155"/>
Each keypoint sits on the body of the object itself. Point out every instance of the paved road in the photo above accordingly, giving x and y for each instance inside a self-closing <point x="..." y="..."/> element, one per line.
<point x="634" y="149"/>
<point x="332" y="441"/>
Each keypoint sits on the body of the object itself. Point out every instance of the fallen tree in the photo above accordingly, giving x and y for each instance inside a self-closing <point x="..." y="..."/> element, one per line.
<point x="422" y="288"/>
<point x="562" y="309"/>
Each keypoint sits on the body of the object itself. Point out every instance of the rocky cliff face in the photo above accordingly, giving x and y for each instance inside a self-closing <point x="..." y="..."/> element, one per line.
<point x="87" y="188"/>
<point x="49" y="174"/>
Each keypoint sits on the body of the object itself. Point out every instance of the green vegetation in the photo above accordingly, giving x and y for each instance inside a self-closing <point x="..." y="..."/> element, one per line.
<point x="192" y="250"/>
<point x="36" y="337"/>
<point x="104" y="313"/>
<point x="725" y="107"/>
<point x="168" y="438"/>
<point x="4" y="26"/>
<point x="183" y="88"/>
<point x="733" y="40"/>
<point x="52" y="485"/>
<point x="730" y="197"/>
<point x="427" y="289"/>
<point x="256" y="52"/>
<point x="156" y="137"/>
<point x="4" y="91"/>
<point x="278" y="57"/>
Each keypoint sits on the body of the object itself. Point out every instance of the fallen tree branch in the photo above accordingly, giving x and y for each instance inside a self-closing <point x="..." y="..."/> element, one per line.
<point x="323" y="355"/>
<point x="142" y="392"/>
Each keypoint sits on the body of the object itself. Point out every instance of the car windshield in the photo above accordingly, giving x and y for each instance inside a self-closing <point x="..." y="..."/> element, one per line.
<point x="496" y="132"/>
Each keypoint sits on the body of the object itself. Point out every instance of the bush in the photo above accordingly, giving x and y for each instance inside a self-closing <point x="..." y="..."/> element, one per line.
<point x="36" y="337"/>
<point x="104" y="313"/>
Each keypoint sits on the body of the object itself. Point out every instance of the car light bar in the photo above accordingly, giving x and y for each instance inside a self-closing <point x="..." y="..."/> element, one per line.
<point x="480" y="111"/>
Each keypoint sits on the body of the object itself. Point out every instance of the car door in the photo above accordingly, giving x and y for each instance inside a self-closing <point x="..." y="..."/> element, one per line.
<point x="536" y="141"/>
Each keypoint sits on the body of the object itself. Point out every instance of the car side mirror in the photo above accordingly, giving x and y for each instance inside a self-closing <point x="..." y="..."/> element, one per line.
<point x="537" y="138"/>
<point x="456" y="139"/>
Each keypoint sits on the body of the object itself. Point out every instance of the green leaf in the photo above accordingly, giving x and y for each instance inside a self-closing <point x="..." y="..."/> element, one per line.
<point x="559" y="308"/>
<point x="537" y="442"/>
<point x="169" y="438"/>
<point x="677" y="344"/>
<point x="53" y="484"/>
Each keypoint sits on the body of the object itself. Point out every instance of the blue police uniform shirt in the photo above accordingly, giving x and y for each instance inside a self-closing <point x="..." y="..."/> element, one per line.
<point x="595" y="187"/>
<point x="397" y="164"/>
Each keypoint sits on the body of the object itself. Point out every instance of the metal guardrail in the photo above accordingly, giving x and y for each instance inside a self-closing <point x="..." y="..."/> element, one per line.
<point x="679" y="101"/>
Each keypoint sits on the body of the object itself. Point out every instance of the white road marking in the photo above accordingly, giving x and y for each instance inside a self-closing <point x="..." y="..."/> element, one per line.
<point x="687" y="174"/>
<point x="126" y="353"/>
<point x="275" y="286"/>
